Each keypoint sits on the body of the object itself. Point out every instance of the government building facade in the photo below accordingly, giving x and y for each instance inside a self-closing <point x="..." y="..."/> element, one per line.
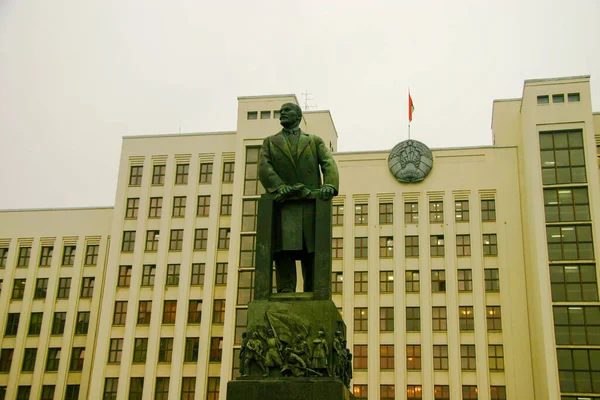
<point x="479" y="282"/>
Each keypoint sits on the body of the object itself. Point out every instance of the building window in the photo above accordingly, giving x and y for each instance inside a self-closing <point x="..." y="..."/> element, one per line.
<point x="463" y="245"/>
<point x="77" y="359"/>
<point x="494" y="318"/>
<point x="203" y="208"/>
<point x="570" y="242"/>
<point x="110" y="388"/>
<point x="124" y="279"/>
<point x="148" y="274"/>
<point x="577" y="325"/>
<point x="206" y="170"/>
<point x="221" y="274"/>
<point x="135" y="175"/>
<point x="24" y="256"/>
<point x="252" y="115"/>
<point x="360" y="356"/>
<point x="64" y="287"/>
<point x="361" y="247"/>
<point x="543" y="99"/>
<point x="87" y="287"/>
<point x="386" y="213"/>
<point x="169" y="311"/>
<point x="176" y="240"/>
<point x="144" y="312"/>
<point x="492" y="279"/>
<point x="201" y="239"/>
<point x="192" y="346"/>
<point x="216" y="349"/>
<point x="241" y="321"/>
<point x="172" y="275"/>
<point x="361" y="282"/>
<point x="414" y="392"/>
<point x="411" y="213"/>
<point x="496" y="357"/>
<point x="18" y="289"/>
<point x="140" y="350"/>
<point x="212" y="389"/>
<point x="488" y="210"/>
<point x="265" y="114"/>
<point x="132" y="208"/>
<point x="361" y="392"/>
<point x="72" y="392"/>
<point x="181" y="174"/>
<point x="155" y="210"/>
<point x="12" y="324"/>
<point x="566" y="204"/>
<point x="558" y="98"/>
<point x="441" y="392"/>
<point x="226" y="204"/>
<point x="82" y="323"/>
<point x="41" y="288"/>
<point x="413" y="319"/>
<point x="247" y="251"/>
<point x="245" y="291"/>
<point x="228" y="169"/>
<point x="165" y="350"/>
<point x="411" y="246"/>
<point x="161" y="392"/>
<point x="3" y="256"/>
<point x="465" y="318"/>
<point x="179" y="203"/>
<point x="386" y="319"/>
<point x="68" y="258"/>
<point x="158" y="174"/>
<point x="562" y="156"/>
<point x="136" y="388"/>
<point x="438" y="281"/>
<point x="574" y="282"/>
<point x="386" y="356"/>
<point x="386" y="282"/>
<point x="47" y="393"/>
<point x="6" y="356"/>
<point x="413" y="283"/>
<point x="578" y="370"/>
<point x="413" y="357"/>
<point x="467" y="357"/>
<point x="188" y="388"/>
<point x="120" y="314"/>
<point x="58" y="323"/>
<point x="45" y="256"/>
<point x="249" y="215"/>
<point x="361" y="319"/>
<point x="197" y="278"/>
<point x="252" y="185"/>
<point x="91" y="254"/>
<point x="337" y="248"/>
<point x="337" y="214"/>
<point x="465" y="280"/>
<point x="23" y="392"/>
<point x="436" y="211"/>
<point x="440" y="357"/>
<point x="115" y="350"/>
<point x="337" y="282"/>
<point x="499" y="393"/>
<point x="490" y="245"/>
<point x="361" y="214"/>
<point x="128" y="241"/>
<point x="387" y="392"/>
<point x="194" y="312"/>
<point x="386" y="247"/>
<point x="35" y="324"/>
<point x="461" y="210"/>
<point x="469" y="392"/>
<point x="219" y="311"/>
<point x="29" y="357"/>
<point x="437" y="245"/>
<point x="439" y="318"/>
<point x="573" y="97"/>
<point x="53" y="359"/>
<point x="224" y="236"/>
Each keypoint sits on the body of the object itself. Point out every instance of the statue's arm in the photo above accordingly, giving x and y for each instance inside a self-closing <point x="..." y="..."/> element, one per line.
<point x="329" y="168"/>
<point x="266" y="172"/>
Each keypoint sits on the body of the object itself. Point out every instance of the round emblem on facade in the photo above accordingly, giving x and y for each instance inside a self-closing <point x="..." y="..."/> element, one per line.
<point x="410" y="161"/>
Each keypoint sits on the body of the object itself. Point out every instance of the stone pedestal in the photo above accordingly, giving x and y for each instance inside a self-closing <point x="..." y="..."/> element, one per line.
<point x="288" y="389"/>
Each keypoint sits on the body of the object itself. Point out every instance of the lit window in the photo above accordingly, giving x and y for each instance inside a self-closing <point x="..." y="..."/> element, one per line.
<point x="413" y="357"/>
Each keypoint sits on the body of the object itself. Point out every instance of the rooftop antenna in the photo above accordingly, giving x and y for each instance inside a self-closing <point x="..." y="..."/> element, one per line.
<point x="307" y="98"/>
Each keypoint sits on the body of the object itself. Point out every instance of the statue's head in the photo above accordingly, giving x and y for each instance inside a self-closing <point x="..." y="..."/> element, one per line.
<point x="338" y="333"/>
<point x="290" y="115"/>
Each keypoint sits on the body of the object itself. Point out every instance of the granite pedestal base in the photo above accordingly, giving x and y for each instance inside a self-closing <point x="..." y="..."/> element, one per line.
<point x="288" y="389"/>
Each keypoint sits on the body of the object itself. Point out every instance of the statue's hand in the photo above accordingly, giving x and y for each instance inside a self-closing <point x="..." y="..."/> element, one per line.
<point x="326" y="193"/>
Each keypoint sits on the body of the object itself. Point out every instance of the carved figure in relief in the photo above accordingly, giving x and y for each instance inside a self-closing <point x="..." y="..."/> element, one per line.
<point x="348" y="366"/>
<point x="320" y="353"/>
<point x="254" y="352"/>
<point x="302" y="349"/>
<point x="273" y="357"/>
<point x="242" y="354"/>
<point x="339" y="355"/>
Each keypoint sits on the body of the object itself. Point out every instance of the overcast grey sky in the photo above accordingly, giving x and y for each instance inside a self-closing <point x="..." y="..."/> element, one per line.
<point x="77" y="75"/>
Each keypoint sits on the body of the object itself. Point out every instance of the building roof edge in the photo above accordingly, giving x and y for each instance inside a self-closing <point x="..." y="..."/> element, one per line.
<point x="563" y="78"/>
<point x="60" y="209"/>
<point x="162" y="135"/>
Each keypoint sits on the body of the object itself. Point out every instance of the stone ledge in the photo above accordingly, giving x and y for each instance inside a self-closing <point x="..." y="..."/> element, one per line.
<point x="288" y="389"/>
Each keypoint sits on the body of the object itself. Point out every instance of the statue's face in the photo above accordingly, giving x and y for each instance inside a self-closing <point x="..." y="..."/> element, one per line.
<point x="289" y="115"/>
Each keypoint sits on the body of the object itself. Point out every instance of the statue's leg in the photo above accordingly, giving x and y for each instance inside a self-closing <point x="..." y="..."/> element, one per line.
<point x="285" y="271"/>
<point x="308" y="269"/>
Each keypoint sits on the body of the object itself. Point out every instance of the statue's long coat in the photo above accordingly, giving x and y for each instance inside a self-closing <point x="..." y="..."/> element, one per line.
<point x="295" y="219"/>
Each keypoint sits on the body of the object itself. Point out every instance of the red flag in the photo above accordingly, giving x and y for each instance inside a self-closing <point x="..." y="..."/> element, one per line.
<point x="411" y="107"/>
